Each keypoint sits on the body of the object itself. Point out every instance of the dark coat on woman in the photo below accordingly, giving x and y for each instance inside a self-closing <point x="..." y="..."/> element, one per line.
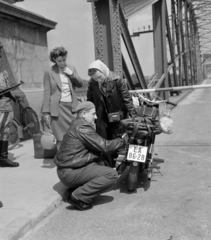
<point x="112" y="97"/>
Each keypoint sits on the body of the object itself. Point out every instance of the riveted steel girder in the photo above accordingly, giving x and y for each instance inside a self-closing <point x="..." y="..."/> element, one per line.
<point x="184" y="67"/>
<point x="109" y="25"/>
<point x="131" y="51"/>
<point x="171" y="49"/>
<point x="179" y="30"/>
<point x="188" y="44"/>
<point x="107" y="33"/>
<point x="160" y="54"/>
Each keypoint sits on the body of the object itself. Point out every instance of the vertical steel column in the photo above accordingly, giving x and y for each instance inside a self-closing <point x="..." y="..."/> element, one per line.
<point x="177" y="33"/>
<point x="115" y="36"/>
<point x="197" y="49"/>
<point x="127" y="75"/>
<point x="187" y="27"/>
<point x="176" y="41"/>
<point x="160" y="59"/>
<point x="186" y="42"/>
<point x="192" y="44"/>
<point x="173" y="40"/>
<point x="107" y="33"/>
<point x="131" y="51"/>
<point x="171" y="48"/>
<point x="184" y="79"/>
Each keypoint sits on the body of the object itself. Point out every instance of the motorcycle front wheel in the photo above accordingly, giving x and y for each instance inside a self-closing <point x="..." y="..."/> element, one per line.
<point x="133" y="176"/>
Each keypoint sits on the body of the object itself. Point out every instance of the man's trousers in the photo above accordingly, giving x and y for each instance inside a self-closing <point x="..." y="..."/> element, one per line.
<point x="89" y="181"/>
<point x="5" y="122"/>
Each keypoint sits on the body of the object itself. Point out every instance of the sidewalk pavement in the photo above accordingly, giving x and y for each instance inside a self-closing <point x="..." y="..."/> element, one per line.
<point x="32" y="191"/>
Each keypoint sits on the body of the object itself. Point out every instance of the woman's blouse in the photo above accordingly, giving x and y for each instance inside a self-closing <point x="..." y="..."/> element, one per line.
<point x="66" y="95"/>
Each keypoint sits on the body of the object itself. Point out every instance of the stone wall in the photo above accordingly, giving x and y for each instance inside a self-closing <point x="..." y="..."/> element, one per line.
<point x="26" y="52"/>
<point x="25" y="59"/>
<point x="24" y="38"/>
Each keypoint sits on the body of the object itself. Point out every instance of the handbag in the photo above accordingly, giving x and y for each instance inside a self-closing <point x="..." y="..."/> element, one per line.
<point x="115" y="116"/>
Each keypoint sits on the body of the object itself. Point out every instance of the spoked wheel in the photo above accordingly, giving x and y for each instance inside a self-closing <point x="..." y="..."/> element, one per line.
<point x="133" y="176"/>
<point x="14" y="135"/>
<point x="31" y="122"/>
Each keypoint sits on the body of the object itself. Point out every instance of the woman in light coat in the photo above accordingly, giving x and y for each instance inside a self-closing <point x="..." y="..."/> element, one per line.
<point x="60" y="101"/>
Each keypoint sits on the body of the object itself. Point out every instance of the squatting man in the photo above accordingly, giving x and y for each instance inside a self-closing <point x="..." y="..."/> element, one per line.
<point x="79" y="163"/>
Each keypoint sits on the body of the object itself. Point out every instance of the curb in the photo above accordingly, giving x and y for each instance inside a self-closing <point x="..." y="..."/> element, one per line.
<point x="22" y="225"/>
<point x="181" y="96"/>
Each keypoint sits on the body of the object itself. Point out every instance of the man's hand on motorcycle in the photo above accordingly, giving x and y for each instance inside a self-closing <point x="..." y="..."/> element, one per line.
<point x="132" y="114"/>
<point x="125" y="137"/>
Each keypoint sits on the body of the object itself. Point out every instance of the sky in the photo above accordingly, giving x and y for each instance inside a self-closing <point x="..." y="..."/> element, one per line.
<point x="74" y="31"/>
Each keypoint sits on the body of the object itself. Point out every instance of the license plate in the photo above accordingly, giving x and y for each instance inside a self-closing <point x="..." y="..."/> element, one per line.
<point x="137" y="153"/>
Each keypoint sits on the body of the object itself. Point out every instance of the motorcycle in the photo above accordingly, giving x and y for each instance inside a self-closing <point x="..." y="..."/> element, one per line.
<point x="141" y="132"/>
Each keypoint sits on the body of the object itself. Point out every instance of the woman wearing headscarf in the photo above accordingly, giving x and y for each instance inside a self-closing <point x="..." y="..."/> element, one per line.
<point x="60" y="100"/>
<point x="112" y="100"/>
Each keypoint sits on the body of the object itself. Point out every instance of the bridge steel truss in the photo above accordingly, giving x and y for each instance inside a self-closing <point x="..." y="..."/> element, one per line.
<point x="177" y="56"/>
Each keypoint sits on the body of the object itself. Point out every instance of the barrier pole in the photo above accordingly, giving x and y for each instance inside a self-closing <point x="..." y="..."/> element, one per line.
<point x="170" y="89"/>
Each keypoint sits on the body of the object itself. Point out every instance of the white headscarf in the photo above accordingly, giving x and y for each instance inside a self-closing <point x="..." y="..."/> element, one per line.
<point x="100" y="66"/>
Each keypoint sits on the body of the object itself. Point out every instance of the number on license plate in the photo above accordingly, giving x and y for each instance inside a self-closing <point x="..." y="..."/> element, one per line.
<point x="137" y="153"/>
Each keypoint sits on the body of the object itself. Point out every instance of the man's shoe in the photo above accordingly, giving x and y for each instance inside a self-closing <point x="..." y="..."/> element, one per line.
<point x="78" y="203"/>
<point x="8" y="163"/>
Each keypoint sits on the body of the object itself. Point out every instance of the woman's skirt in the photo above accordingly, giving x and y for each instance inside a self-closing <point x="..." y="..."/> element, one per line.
<point x="61" y="123"/>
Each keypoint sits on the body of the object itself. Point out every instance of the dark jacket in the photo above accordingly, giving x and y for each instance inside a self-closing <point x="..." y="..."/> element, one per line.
<point x="81" y="145"/>
<point x="116" y="98"/>
<point x="52" y="90"/>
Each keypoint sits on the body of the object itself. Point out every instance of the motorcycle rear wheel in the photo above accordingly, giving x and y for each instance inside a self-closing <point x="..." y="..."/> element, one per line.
<point x="133" y="176"/>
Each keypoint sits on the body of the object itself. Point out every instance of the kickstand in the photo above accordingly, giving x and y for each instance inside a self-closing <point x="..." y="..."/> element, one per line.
<point x="154" y="165"/>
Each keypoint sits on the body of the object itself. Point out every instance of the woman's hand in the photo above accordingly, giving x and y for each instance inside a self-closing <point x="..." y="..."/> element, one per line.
<point x="67" y="71"/>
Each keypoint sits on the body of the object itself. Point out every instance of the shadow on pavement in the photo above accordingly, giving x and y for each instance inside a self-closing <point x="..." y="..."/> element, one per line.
<point x="99" y="200"/>
<point x="48" y="163"/>
<point x="143" y="182"/>
<point x="102" y="199"/>
<point x="121" y="183"/>
<point x="11" y="156"/>
<point x="14" y="157"/>
<point x="61" y="190"/>
<point x="20" y="145"/>
<point x="70" y="207"/>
